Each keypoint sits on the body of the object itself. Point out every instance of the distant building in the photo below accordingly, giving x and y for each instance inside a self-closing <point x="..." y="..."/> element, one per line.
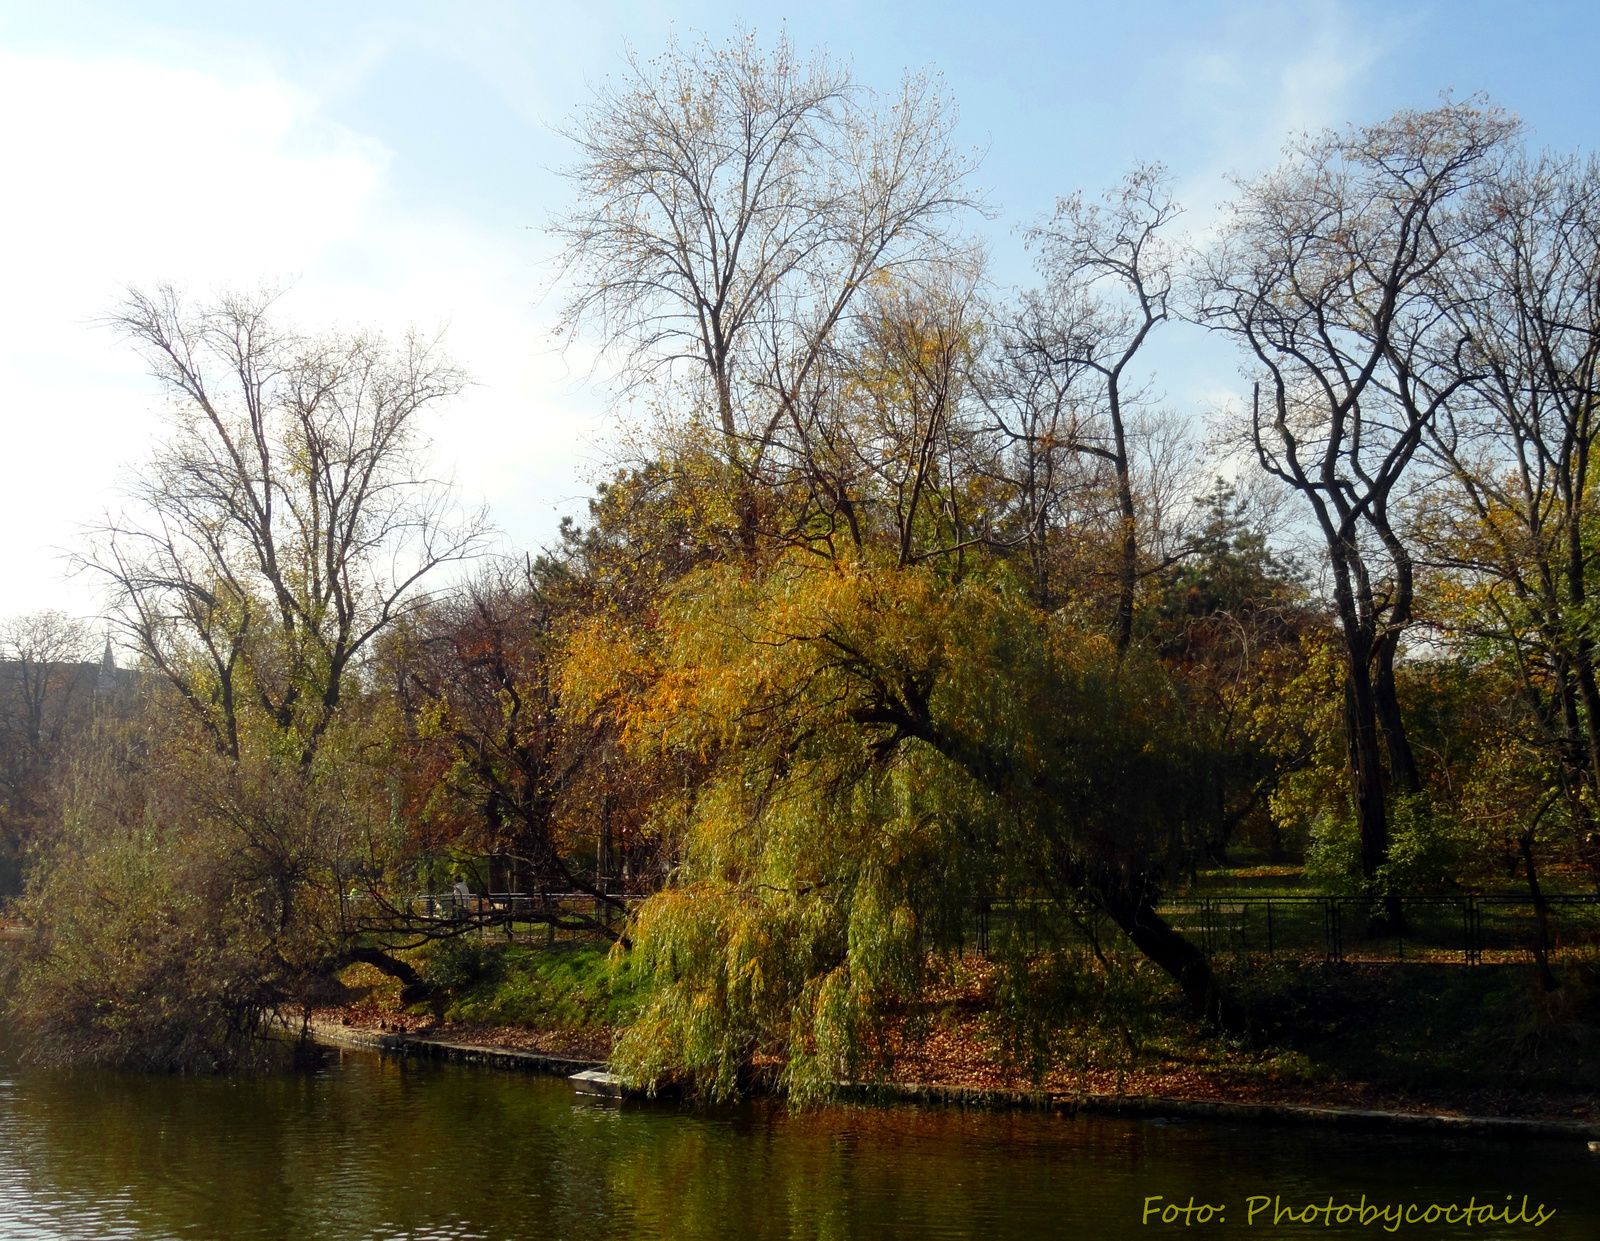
<point x="107" y="677"/>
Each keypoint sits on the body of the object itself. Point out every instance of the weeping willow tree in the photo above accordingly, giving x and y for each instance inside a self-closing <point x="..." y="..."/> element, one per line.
<point x="884" y="744"/>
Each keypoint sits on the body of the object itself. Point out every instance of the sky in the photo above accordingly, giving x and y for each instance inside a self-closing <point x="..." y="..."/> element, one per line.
<point x="397" y="164"/>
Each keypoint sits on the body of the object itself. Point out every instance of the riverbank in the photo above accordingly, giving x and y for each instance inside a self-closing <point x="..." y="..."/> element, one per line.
<point x="1437" y="1044"/>
<point x="488" y="1054"/>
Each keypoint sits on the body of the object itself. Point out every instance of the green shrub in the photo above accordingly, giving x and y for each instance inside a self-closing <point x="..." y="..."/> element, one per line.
<point x="457" y="965"/>
<point x="1424" y="851"/>
<point x="1333" y="853"/>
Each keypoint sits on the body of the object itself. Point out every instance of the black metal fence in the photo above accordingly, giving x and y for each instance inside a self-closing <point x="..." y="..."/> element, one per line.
<point x="1468" y="929"/>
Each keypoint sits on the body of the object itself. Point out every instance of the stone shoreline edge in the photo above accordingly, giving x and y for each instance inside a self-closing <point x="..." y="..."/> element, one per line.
<point x="1143" y="1106"/>
<point x="424" y="1048"/>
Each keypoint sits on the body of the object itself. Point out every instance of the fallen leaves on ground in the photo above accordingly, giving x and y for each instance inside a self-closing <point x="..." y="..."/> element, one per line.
<point x="957" y="1050"/>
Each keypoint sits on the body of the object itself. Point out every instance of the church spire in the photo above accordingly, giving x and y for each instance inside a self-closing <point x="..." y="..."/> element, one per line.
<point x="108" y="678"/>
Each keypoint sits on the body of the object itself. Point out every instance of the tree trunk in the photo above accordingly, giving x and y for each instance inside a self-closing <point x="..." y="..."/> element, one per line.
<point x="1402" y="760"/>
<point x="1366" y="767"/>
<point x="1583" y="665"/>
<point x="413" y="987"/>
<point x="1541" y="916"/>
<point x="1154" y="936"/>
<point x="1128" y="562"/>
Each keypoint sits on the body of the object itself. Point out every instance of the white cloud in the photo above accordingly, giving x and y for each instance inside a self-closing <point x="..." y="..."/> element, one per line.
<point x="1269" y="74"/>
<point x="121" y="171"/>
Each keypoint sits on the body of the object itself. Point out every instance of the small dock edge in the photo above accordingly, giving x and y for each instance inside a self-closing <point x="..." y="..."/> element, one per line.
<point x="599" y="1082"/>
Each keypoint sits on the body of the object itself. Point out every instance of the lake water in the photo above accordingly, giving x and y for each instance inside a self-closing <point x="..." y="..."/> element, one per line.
<point x="368" y="1148"/>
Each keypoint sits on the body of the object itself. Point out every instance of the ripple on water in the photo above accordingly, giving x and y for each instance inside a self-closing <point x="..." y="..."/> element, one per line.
<point x="384" y="1151"/>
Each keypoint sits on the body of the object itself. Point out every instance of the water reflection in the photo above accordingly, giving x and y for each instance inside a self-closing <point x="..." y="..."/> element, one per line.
<point x="366" y="1148"/>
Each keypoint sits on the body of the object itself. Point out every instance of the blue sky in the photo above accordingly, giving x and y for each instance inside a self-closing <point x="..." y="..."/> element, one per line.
<point x="396" y="161"/>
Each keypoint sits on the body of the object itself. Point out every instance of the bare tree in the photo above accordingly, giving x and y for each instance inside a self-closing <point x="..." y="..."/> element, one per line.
<point x="1527" y="295"/>
<point x="1108" y="270"/>
<point x="44" y="690"/>
<point x="288" y="516"/>
<point x="732" y="204"/>
<point x="1326" y="272"/>
<point x="42" y="657"/>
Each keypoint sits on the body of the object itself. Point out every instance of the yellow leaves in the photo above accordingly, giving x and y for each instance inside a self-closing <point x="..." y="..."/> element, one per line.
<point x="433" y="718"/>
<point x="601" y="661"/>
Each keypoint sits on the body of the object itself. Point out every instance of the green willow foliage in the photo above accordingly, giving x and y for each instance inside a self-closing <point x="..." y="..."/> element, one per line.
<point x="887" y="744"/>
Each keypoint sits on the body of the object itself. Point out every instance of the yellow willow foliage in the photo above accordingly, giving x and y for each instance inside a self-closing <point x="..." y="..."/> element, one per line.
<point x="884" y="744"/>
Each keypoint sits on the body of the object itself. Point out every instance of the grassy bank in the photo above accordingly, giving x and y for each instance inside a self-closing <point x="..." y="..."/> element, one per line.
<point x="567" y="997"/>
<point x="574" y="985"/>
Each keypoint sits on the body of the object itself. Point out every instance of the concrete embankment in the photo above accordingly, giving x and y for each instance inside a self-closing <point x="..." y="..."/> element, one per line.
<point x="425" y="1048"/>
<point x="1148" y="1107"/>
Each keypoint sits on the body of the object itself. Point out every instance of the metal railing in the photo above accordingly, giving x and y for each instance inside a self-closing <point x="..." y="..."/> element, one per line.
<point x="1466" y="929"/>
<point x="491" y="908"/>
